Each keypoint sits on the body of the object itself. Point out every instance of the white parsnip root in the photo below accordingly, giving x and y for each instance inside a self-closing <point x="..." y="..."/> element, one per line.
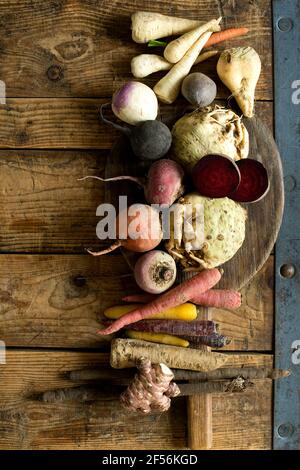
<point x="151" y="389"/>
<point x="147" y="26"/>
<point x="168" y="88"/>
<point x="239" y="69"/>
<point x="145" y="64"/>
<point x="176" y="49"/>
<point x="127" y="353"/>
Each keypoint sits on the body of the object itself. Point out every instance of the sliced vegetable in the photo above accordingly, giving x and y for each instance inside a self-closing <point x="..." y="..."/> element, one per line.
<point x="216" y="176"/>
<point x="178" y="295"/>
<point x="239" y="69"/>
<point x="175" y="50"/>
<point x="138" y="229"/>
<point x="135" y="102"/>
<point x="155" y="272"/>
<point x="147" y="26"/>
<point x="199" y="90"/>
<point x="158" y="338"/>
<point x="168" y="88"/>
<point x="186" y="312"/>
<point x="254" y="183"/>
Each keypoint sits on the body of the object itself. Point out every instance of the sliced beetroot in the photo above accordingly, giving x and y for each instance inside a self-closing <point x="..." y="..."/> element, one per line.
<point x="216" y="176"/>
<point x="254" y="183"/>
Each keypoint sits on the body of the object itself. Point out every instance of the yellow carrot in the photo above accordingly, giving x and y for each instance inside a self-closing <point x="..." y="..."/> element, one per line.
<point x="158" y="338"/>
<point x="168" y="88"/>
<point x="187" y="312"/>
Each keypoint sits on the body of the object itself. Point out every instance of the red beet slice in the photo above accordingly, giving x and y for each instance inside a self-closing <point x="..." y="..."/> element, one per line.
<point x="254" y="183"/>
<point x="216" y="176"/>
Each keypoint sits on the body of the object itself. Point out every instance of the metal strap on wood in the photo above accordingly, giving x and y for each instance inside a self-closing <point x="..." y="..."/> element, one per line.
<point x="286" y="27"/>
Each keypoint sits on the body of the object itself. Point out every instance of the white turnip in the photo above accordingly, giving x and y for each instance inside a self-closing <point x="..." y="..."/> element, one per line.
<point x="155" y="272"/>
<point x="135" y="102"/>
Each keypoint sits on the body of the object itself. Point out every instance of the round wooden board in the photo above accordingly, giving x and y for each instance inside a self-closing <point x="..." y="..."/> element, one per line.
<point x="264" y="217"/>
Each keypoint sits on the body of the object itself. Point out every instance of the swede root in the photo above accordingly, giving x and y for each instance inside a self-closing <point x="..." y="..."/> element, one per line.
<point x="168" y="88"/>
<point x="239" y="69"/>
<point x="147" y="26"/>
<point x="126" y="353"/>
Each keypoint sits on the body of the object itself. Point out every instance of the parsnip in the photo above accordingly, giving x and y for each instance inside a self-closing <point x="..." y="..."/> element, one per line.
<point x="145" y="64"/>
<point x="239" y="69"/>
<point x="147" y="26"/>
<point x="176" y="49"/>
<point x="168" y="88"/>
<point x="128" y="352"/>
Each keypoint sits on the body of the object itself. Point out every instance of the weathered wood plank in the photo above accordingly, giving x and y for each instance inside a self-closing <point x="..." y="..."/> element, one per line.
<point x="68" y="123"/>
<point x="56" y="301"/>
<point x="49" y="210"/>
<point x="75" y="48"/>
<point x="239" y="421"/>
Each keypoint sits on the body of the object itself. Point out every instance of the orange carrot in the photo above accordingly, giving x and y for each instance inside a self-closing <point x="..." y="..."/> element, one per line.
<point x="225" y="35"/>
<point x="218" y="298"/>
<point x="200" y="283"/>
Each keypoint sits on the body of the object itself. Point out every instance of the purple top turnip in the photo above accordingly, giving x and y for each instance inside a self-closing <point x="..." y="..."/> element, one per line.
<point x="155" y="272"/>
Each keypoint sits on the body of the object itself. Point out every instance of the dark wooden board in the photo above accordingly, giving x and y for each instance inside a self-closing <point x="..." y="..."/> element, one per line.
<point x="264" y="217"/>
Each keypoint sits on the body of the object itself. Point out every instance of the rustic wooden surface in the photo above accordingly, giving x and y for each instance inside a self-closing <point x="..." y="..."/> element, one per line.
<point x="60" y="60"/>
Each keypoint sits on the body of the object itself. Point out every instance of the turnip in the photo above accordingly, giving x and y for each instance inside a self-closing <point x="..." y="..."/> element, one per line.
<point x="147" y="26"/>
<point x="135" y="102"/>
<point x="149" y="140"/>
<point x="138" y="229"/>
<point x="239" y="69"/>
<point x="199" y="90"/>
<point x="163" y="185"/>
<point x="155" y="272"/>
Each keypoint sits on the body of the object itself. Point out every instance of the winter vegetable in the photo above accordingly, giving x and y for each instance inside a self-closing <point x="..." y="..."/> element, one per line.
<point x="147" y="26"/>
<point x="239" y="69"/>
<point x="149" y="140"/>
<point x="174" y="297"/>
<point x="146" y="64"/>
<point x="155" y="272"/>
<point x="150" y="389"/>
<point x="214" y="341"/>
<point x="186" y="312"/>
<point x="199" y="90"/>
<point x="209" y="131"/>
<point x="127" y="353"/>
<point x="168" y="88"/>
<point x="254" y="183"/>
<point x="224" y="233"/>
<point x="138" y="229"/>
<point x="135" y="102"/>
<point x="163" y="184"/>
<point x="175" y="50"/>
<point x="218" y="298"/>
<point x="216" y="176"/>
<point x="225" y="35"/>
<point x="176" y="327"/>
<point x="161" y="338"/>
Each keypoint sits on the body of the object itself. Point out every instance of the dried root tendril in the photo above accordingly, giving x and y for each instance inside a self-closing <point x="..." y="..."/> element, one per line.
<point x="151" y="389"/>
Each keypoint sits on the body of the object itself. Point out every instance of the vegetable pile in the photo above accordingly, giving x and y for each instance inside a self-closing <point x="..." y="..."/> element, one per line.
<point x="201" y="162"/>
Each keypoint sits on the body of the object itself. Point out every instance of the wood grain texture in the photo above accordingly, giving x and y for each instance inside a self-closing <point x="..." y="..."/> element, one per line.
<point x="69" y="123"/>
<point x="43" y="305"/>
<point x="239" y="421"/>
<point x="72" y="48"/>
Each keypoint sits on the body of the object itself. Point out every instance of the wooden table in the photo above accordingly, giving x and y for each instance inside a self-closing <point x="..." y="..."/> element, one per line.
<point x="60" y="60"/>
